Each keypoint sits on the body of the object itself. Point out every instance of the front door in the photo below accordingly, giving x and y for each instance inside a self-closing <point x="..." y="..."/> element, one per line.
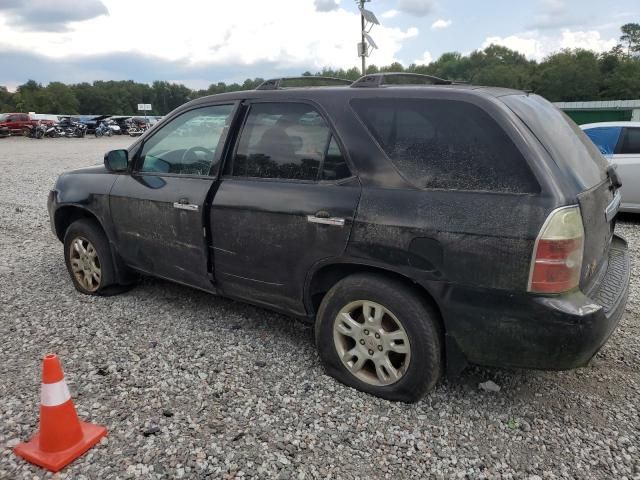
<point x="158" y="209"/>
<point x="288" y="201"/>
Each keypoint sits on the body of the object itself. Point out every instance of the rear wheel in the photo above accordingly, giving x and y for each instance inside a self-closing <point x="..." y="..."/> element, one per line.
<point x="379" y="336"/>
<point x="88" y="258"/>
<point x="26" y="131"/>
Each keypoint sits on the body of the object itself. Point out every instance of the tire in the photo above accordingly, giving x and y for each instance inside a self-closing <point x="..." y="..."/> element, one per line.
<point x="89" y="234"/>
<point x="402" y="307"/>
<point x="26" y="132"/>
<point x="98" y="133"/>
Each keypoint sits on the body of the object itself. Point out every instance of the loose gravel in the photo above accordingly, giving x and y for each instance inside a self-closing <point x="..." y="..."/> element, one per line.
<point x="192" y="386"/>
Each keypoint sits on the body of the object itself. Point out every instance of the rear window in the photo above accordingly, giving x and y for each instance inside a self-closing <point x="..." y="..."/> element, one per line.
<point x="570" y="148"/>
<point x="443" y="144"/>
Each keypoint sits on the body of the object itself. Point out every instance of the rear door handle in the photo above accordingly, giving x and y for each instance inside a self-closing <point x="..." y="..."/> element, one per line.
<point x="325" y="218"/>
<point x="183" y="204"/>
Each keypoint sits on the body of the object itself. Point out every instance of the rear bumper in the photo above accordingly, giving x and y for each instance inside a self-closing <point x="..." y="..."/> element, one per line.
<point x="527" y="331"/>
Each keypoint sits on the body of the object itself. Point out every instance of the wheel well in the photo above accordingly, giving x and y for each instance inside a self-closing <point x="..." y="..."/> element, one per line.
<point x="65" y="216"/>
<point x="328" y="276"/>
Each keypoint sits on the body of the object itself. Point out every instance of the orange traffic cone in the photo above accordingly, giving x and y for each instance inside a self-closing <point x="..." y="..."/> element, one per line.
<point x="62" y="437"/>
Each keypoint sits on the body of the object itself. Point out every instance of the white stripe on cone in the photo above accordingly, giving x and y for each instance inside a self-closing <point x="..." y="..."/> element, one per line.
<point x="54" y="394"/>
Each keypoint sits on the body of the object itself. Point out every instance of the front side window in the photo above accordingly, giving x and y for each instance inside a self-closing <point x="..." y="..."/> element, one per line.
<point x="630" y="141"/>
<point x="451" y="145"/>
<point x="288" y="141"/>
<point x="605" y="138"/>
<point x="187" y="145"/>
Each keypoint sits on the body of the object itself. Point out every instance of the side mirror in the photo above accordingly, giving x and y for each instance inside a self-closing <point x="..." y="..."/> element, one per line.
<point x="116" y="160"/>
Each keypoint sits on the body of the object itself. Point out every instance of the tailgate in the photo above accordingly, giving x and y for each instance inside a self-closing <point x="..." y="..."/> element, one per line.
<point x="598" y="206"/>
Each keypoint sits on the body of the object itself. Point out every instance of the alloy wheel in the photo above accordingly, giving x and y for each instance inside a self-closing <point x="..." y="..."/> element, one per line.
<point x="371" y="343"/>
<point x="85" y="264"/>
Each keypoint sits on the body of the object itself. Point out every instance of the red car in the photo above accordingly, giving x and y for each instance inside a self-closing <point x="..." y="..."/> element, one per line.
<point x="20" y="123"/>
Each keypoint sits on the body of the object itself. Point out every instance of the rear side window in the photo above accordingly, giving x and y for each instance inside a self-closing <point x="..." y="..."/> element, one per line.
<point x="288" y="141"/>
<point x="605" y="138"/>
<point x="442" y="144"/>
<point x="570" y="148"/>
<point x="630" y="141"/>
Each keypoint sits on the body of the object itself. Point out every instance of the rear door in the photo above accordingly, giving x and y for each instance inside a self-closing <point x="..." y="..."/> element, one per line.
<point x="627" y="158"/>
<point x="287" y="201"/>
<point x="158" y="210"/>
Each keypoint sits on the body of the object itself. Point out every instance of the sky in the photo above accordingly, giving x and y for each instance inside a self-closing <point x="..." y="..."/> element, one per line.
<point x="199" y="42"/>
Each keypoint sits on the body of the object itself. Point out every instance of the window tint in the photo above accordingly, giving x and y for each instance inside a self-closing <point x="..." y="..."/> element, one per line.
<point x="630" y="141"/>
<point x="334" y="166"/>
<point x="569" y="147"/>
<point x="186" y="145"/>
<point x="288" y="141"/>
<point x="605" y="138"/>
<point x="446" y="145"/>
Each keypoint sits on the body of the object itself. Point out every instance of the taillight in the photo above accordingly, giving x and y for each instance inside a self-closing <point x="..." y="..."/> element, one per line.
<point x="557" y="255"/>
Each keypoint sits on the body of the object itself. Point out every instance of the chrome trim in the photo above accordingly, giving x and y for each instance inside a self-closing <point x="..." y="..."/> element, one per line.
<point x="186" y="206"/>
<point x="338" y="222"/>
<point x="613" y="207"/>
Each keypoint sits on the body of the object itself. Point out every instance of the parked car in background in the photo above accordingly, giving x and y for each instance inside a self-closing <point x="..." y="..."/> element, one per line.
<point x="418" y="227"/>
<point x="21" y="123"/>
<point x="619" y="142"/>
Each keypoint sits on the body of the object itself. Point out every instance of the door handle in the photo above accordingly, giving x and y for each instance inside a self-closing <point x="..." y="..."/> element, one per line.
<point x="325" y="218"/>
<point x="183" y="204"/>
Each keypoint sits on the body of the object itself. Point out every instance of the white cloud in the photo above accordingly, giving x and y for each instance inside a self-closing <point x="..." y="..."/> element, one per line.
<point x="426" y="59"/>
<point x="390" y="14"/>
<point x="537" y="46"/>
<point x="441" y="24"/>
<point x="226" y="34"/>
<point x="419" y="8"/>
<point x="326" y="5"/>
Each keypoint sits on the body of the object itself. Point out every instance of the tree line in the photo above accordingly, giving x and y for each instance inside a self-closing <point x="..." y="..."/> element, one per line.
<point x="568" y="75"/>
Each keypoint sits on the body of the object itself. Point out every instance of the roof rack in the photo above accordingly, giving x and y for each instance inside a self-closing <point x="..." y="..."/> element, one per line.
<point x="276" y="83"/>
<point x="378" y="79"/>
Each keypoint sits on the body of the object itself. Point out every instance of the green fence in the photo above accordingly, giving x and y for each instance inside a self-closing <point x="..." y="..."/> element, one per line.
<point x="593" y="116"/>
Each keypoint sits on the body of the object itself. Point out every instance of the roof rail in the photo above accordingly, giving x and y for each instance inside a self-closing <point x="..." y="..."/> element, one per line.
<point x="378" y="79"/>
<point x="276" y="83"/>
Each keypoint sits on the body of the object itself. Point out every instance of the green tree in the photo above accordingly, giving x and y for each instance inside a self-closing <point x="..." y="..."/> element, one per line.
<point x="7" y="103"/>
<point x="569" y="76"/>
<point x="624" y="82"/>
<point x="631" y="38"/>
<point x="58" y="98"/>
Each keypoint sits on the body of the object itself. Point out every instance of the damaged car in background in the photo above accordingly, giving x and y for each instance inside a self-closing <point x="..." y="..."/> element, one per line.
<point x="419" y="224"/>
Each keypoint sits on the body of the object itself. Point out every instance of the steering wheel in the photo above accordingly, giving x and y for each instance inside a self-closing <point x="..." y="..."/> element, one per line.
<point x="193" y="151"/>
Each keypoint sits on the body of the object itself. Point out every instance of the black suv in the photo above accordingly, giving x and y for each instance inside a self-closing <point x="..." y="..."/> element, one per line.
<point x="421" y="227"/>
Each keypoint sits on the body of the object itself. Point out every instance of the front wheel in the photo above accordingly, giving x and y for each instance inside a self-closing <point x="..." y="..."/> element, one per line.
<point x="380" y="336"/>
<point x="88" y="257"/>
<point x="26" y="132"/>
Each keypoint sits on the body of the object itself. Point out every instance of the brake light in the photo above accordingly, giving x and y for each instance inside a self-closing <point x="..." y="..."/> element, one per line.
<point x="557" y="255"/>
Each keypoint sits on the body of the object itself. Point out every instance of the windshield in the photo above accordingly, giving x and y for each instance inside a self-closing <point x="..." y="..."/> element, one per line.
<point x="569" y="147"/>
<point x="3" y="117"/>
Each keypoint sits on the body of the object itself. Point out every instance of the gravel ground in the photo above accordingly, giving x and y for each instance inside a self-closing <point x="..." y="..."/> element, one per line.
<point x="192" y="386"/>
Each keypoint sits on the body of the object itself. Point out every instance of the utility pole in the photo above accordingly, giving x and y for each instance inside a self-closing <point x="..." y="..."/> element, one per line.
<point x="367" y="21"/>
<point x="362" y="32"/>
